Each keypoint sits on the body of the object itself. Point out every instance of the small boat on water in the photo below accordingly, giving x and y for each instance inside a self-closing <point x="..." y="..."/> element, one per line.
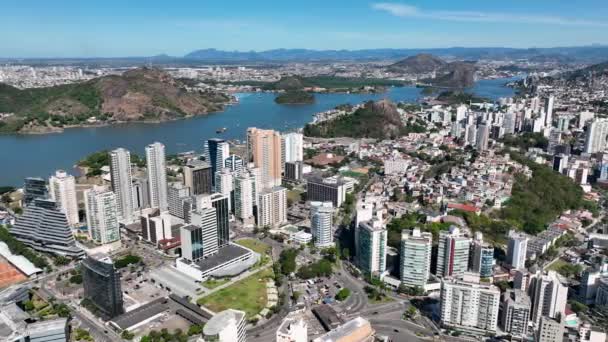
<point x="221" y="130"/>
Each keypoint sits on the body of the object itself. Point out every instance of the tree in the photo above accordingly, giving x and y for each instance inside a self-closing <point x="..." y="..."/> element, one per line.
<point x="321" y="268"/>
<point x="410" y="312"/>
<point x="329" y="254"/>
<point x="195" y="329"/>
<point x="28" y="305"/>
<point x="287" y="260"/>
<point x="127" y="260"/>
<point x="569" y="270"/>
<point x="6" y="198"/>
<point x="62" y="310"/>
<point x="503" y="285"/>
<point x="345" y="253"/>
<point x="577" y="306"/>
<point x="76" y="279"/>
<point x="343" y="294"/>
<point x="127" y="335"/>
<point x="60" y="260"/>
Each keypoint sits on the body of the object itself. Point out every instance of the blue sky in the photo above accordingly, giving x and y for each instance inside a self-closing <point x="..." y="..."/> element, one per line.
<point x="107" y="28"/>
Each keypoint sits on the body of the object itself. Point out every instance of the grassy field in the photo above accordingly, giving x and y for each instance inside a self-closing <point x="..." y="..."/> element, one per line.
<point x="248" y="295"/>
<point x="352" y="174"/>
<point x="255" y="245"/>
<point x="213" y="283"/>
<point x="557" y="265"/>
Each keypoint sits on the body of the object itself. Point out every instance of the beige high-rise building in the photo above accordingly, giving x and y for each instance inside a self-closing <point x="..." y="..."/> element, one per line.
<point x="272" y="207"/>
<point x="264" y="150"/>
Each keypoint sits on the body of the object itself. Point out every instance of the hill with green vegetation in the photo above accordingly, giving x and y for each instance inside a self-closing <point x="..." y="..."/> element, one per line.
<point x="379" y="120"/>
<point x="331" y="83"/>
<point x="143" y="94"/>
<point x="418" y="64"/>
<point x="530" y="208"/>
<point x="600" y="69"/>
<point x="295" y="97"/>
<point x="459" y="75"/>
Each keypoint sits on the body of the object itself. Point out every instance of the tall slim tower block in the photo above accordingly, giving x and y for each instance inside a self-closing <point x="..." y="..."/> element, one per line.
<point x="157" y="175"/>
<point x="122" y="183"/>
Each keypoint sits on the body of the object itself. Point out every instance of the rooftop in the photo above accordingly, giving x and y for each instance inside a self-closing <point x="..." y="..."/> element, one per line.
<point x="221" y="320"/>
<point x="177" y="281"/>
<point x="42" y="327"/>
<point x="20" y="262"/>
<point x="327" y="316"/>
<point x="223" y="255"/>
<point x="142" y="313"/>
<point x="358" y="329"/>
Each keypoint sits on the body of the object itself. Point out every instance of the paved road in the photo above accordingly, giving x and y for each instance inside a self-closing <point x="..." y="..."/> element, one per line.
<point x="94" y="325"/>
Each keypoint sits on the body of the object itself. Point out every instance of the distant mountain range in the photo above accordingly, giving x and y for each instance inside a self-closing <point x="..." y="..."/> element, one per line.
<point x="587" y="54"/>
<point x="578" y="54"/>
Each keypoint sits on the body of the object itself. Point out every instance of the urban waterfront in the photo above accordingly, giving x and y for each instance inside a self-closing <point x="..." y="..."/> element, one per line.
<point x="41" y="155"/>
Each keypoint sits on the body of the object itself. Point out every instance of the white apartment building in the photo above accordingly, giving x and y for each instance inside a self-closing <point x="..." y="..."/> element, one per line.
<point x="226" y="326"/>
<point x="469" y="305"/>
<point x="244" y="194"/>
<point x="102" y="215"/>
<point x="549" y="296"/>
<point x="597" y="131"/>
<point x="157" y="175"/>
<point x="415" y="257"/>
<point x="517" y="249"/>
<point x="371" y="247"/>
<point x="321" y="223"/>
<point x="292" y="329"/>
<point x="293" y="147"/>
<point x="122" y="183"/>
<point x="452" y="253"/>
<point x="272" y="207"/>
<point x="62" y="188"/>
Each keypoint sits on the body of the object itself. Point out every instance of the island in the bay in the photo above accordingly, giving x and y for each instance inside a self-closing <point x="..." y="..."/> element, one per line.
<point x="295" y="97"/>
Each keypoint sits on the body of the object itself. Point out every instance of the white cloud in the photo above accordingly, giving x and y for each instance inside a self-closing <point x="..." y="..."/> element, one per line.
<point x="407" y="11"/>
<point x="399" y="10"/>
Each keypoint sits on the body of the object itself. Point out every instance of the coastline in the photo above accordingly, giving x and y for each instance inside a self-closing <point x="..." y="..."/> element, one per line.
<point x="43" y="130"/>
<point x="234" y="99"/>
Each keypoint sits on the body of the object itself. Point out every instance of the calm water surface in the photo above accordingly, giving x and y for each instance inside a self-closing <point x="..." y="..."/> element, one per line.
<point x="40" y="155"/>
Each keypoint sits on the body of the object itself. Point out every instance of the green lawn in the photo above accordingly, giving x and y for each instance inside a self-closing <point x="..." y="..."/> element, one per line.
<point x="213" y="283"/>
<point x="352" y="174"/>
<point x="248" y="295"/>
<point x="255" y="245"/>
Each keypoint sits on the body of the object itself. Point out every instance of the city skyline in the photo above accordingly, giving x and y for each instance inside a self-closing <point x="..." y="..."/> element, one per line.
<point x="411" y="188"/>
<point x="119" y="30"/>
